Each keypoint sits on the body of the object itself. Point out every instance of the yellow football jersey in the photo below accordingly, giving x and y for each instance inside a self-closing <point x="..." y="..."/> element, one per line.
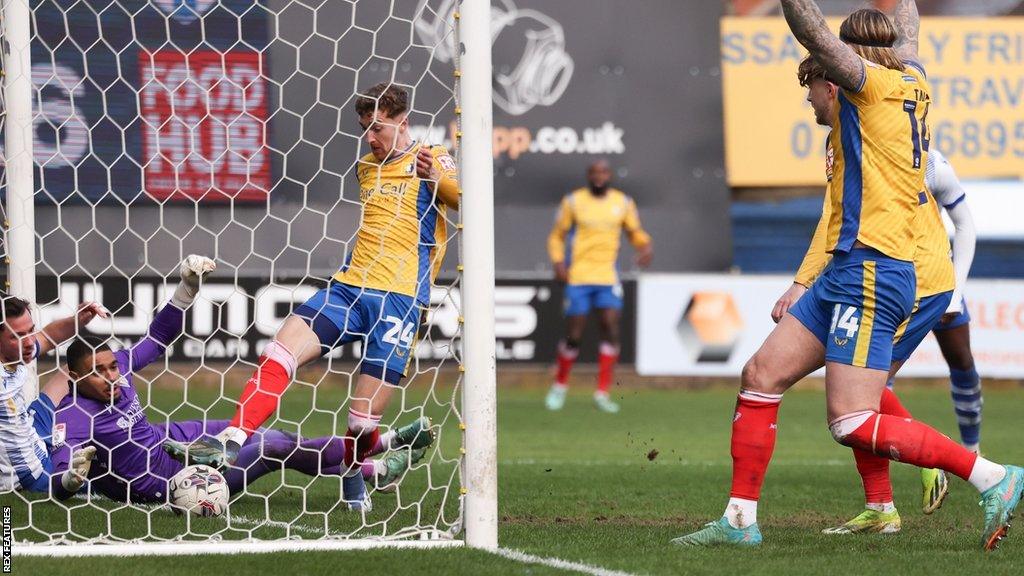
<point x="587" y="233"/>
<point x="880" y="142"/>
<point x="932" y="259"/>
<point x="403" y="232"/>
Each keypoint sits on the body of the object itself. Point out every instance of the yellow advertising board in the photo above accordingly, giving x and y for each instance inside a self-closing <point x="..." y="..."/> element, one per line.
<point x="976" y="70"/>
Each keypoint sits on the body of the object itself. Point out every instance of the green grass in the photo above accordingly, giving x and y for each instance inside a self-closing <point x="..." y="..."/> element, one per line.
<point x="580" y="485"/>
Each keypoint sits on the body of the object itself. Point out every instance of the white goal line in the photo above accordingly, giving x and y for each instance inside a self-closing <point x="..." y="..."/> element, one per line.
<point x="557" y="563"/>
<point x="225" y="547"/>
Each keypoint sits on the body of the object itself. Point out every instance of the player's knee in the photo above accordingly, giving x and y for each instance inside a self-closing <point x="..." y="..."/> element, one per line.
<point x="610" y="334"/>
<point x="278" y="353"/>
<point x="844" y="428"/>
<point x="571" y="345"/>
<point x="758" y="376"/>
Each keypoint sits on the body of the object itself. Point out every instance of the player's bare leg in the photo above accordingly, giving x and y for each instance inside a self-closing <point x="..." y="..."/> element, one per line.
<point x="955" y="344"/>
<point x="568" y="351"/>
<point x="790" y="353"/>
<point x="369" y="400"/>
<point x="294" y="345"/>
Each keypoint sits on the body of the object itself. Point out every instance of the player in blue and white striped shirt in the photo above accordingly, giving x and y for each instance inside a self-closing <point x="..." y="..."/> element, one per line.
<point x="26" y="431"/>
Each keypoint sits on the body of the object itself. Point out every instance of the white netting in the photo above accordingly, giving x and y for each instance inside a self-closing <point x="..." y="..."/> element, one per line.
<point x="226" y="128"/>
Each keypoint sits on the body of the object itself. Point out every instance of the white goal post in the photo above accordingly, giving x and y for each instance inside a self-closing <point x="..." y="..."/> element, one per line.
<point x="168" y="127"/>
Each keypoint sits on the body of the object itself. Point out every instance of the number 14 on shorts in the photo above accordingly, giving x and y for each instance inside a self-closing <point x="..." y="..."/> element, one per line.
<point x="845" y="318"/>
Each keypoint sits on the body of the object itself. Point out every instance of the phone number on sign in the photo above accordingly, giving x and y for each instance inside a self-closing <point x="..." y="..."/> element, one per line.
<point x="973" y="139"/>
<point x="995" y="139"/>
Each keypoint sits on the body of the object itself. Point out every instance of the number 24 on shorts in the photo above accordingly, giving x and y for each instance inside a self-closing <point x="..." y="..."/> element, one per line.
<point x="400" y="333"/>
<point x="845" y="318"/>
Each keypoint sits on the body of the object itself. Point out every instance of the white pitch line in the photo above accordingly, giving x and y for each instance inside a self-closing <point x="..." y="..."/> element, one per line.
<point x="254" y="523"/>
<point x="558" y="563"/>
<point x="228" y="547"/>
<point x="668" y="461"/>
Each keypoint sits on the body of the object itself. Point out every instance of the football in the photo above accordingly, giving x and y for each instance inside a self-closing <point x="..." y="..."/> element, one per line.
<point x="200" y="490"/>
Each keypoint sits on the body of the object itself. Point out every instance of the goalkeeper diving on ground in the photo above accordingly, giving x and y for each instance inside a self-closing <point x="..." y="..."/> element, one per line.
<point x="99" y="433"/>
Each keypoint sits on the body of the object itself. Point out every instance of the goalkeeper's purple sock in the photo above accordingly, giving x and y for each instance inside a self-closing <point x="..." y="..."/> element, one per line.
<point x="273" y="450"/>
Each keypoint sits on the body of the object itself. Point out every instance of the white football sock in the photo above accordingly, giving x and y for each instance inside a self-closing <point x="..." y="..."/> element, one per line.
<point x="883" y="507"/>
<point x="231" y="433"/>
<point x="387" y="438"/>
<point x="986" y="474"/>
<point x="741" y="513"/>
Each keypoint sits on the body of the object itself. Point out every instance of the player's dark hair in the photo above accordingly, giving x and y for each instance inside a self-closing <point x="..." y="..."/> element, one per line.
<point x="13" y="307"/>
<point x="83" y="347"/>
<point x="872" y="35"/>
<point x="809" y="71"/>
<point x="384" y="97"/>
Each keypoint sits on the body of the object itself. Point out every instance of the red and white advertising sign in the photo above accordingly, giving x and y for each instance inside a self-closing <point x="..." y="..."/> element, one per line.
<point x="204" y="125"/>
<point x="997" y="332"/>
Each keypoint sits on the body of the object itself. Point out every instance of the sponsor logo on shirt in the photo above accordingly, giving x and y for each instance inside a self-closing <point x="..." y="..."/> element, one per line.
<point x="60" y="434"/>
<point x="446" y="162"/>
<point x="133" y="415"/>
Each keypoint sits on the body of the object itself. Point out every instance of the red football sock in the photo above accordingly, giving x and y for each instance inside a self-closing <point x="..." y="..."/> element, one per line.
<point x="873" y="469"/>
<point x="874" y="475"/>
<point x="891" y="405"/>
<point x="910" y="441"/>
<point x="608" y="355"/>
<point x="261" y="395"/>
<point x="566" y="358"/>
<point x="362" y="435"/>
<point x="753" y="441"/>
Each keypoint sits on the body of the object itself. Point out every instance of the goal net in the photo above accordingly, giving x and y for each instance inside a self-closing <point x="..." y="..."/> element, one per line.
<point x="227" y="128"/>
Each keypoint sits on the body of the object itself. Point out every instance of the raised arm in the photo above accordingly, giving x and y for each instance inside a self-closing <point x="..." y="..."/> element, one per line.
<point x="841" y="63"/>
<point x="908" y="30"/>
<point x="59" y="331"/>
<point x="170" y="321"/>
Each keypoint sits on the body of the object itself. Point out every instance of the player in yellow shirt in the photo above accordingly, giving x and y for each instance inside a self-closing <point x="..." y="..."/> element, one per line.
<point x="377" y="297"/>
<point x="584" y="246"/>
<point x="855" y="308"/>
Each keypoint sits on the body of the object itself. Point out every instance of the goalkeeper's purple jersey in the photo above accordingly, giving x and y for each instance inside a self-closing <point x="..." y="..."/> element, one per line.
<point x="127" y="445"/>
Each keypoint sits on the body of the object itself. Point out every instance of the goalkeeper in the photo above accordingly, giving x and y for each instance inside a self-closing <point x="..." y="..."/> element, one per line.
<point x="25" y="432"/>
<point x="102" y="411"/>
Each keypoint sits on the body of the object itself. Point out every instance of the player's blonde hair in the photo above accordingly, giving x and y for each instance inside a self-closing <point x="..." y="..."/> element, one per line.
<point x="872" y="35"/>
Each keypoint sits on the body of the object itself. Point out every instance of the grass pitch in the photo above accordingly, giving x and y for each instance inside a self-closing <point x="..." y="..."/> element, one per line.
<point x="605" y="490"/>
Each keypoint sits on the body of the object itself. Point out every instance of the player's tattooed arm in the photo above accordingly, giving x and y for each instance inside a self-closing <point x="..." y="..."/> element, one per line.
<point x="841" y="63"/>
<point x="908" y="29"/>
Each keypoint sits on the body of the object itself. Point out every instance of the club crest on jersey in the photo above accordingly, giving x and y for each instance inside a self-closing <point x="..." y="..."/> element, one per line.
<point x="410" y="167"/>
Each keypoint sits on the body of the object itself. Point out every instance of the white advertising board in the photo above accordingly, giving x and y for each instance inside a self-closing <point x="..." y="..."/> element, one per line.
<point x="709" y="325"/>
